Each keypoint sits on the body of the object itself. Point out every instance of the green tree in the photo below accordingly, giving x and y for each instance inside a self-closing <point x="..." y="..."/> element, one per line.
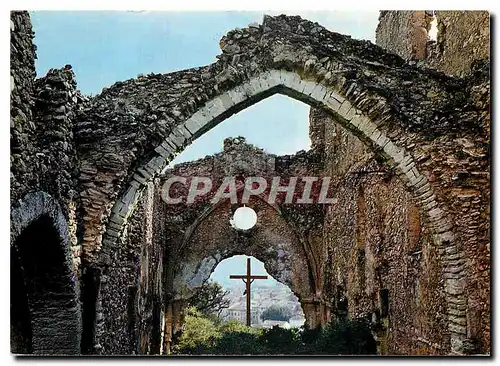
<point x="346" y="337"/>
<point x="238" y="343"/>
<point x="280" y="341"/>
<point x="198" y="336"/>
<point x="202" y="336"/>
<point x="210" y="298"/>
<point x="276" y="313"/>
<point x="232" y="326"/>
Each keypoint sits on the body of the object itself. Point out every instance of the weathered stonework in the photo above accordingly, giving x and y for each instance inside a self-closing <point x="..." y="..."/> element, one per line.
<point x="407" y="147"/>
<point x="463" y="43"/>
<point x="44" y="287"/>
<point x="463" y="37"/>
<point x="43" y="183"/>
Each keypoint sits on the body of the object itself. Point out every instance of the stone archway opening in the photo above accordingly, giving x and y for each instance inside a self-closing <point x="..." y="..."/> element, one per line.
<point x="272" y="302"/>
<point x="274" y="115"/>
<point x="42" y="292"/>
<point x="305" y="70"/>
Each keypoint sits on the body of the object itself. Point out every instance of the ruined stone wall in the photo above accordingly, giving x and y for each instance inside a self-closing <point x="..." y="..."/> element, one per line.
<point x="463" y="42"/>
<point x="43" y="152"/>
<point x="463" y="37"/>
<point x="22" y="127"/>
<point x="43" y="178"/>
<point x="433" y="130"/>
<point x="376" y="243"/>
<point x="122" y="288"/>
<point x="378" y="240"/>
<point x="199" y="232"/>
<point x="404" y="33"/>
<point x="130" y="294"/>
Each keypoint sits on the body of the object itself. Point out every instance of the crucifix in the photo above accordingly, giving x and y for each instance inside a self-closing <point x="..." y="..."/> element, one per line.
<point x="248" y="279"/>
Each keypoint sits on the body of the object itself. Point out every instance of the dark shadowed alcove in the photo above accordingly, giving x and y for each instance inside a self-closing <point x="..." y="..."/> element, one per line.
<point x="45" y="312"/>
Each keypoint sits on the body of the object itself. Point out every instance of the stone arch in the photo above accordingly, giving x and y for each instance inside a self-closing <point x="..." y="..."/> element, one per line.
<point x="45" y="309"/>
<point x="283" y="252"/>
<point x="303" y="60"/>
<point x="311" y="263"/>
<point x="318" y="95"/>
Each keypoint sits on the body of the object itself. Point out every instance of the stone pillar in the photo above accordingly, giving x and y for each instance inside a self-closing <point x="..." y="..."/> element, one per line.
<point x="168" y="329"/>
<point x="316" y="312"/>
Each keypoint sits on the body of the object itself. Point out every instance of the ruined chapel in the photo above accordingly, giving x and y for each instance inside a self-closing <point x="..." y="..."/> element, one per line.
<point x="100" y="264"/>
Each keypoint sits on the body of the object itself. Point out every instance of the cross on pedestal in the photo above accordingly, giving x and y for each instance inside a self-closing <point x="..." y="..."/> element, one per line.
<point x="248" y="279"/>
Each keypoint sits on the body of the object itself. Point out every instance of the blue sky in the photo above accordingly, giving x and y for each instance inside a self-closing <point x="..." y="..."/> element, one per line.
<point x="237" y="265"/>
<point x="108" y="46"/>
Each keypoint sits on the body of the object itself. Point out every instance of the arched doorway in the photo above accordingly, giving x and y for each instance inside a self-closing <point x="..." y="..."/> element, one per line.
<point x="266" y="295"/>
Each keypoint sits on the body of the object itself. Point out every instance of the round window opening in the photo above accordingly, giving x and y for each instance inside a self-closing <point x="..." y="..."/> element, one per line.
<point x="244" y="218"/>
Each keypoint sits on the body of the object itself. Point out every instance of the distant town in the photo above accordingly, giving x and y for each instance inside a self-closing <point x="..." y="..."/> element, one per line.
<point x="263" y="297"/>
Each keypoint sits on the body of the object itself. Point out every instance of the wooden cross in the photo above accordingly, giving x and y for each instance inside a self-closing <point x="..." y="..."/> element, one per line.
<point x="248" y="279"/>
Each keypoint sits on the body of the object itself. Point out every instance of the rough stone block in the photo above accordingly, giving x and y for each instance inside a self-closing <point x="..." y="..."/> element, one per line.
<point x="461" y="329"/>
<point x="426" y="187"/>
<point x="425" y="195"/>
<point x="351" y="113"/>
<point x="447" y="237"/>
<point x="430" y="205"/>
<point x="140" y="179"/>
<point x="460" y="319"/>
<point x="337" y="97"/>
<point x="309" y="87"/>
<point x="367" y="127"/>
<point x="150" y="167"/>
<point x="214" y="108"/>
<point x="196" y="122"/>
<point x="428" y="200"/>
<point x="414" y="171"/>
<point x="184" y="132"/>
<point x="320" y="93"/>
<point x="237" y="95"/>
<point x="442" y="226"/>
<point x="167" y="144"/>
<point x="146" y="174"/>
<point x="405" y="162"/>
<point x="382" y="140"/>
<point x="420" y="182"/>
<point x="113" y="232"/>
<point x="226" y="101"/>
<point x="117" y="219"/>
<point x="407" y="167"/>
<point x="160" y="163"/>
<point x="334" y="104"/>
<point x="115" y="226"/>
<point x="270" y="79"/>
<point x="454" y="286"/>
<point x="116" y="207"/>
<point x="375" y="135"/>
<point x="163" y="151"/>
<point x="395" y="152"/>
<point x="344" y="108"/>
<point x="437" y="212"/>
<point x="253" y="87"/>
<point x="176" y="140"/>
<point x="457" y="307"/>
<point x="129" y="195"/>
<point x="288" y="78"/>
<point x="453" y="271"/>
<point x="414" y="178"/>
<point x="410" y="172"/>
<point x="297" y="84"/>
